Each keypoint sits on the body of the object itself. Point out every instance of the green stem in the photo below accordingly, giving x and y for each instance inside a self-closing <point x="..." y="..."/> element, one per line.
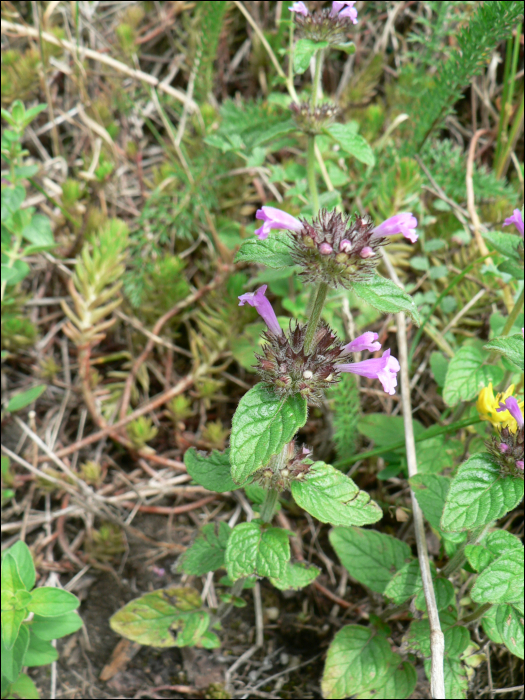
<point x="476" y="615"/>
<point x="435" y="431"/>
<point x="459" y="557"/>
<point x="310" y="173"/>
<point x="516" y="127"/>
<point x="268" y="506"/>
<point x="511" y="65"/>
<point x="511" y="320"/>
<point x="313" y="321"/>
<point x="317" y="78"/>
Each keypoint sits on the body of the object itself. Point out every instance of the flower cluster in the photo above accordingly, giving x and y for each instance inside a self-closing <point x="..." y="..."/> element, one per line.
<point x="290" y="369"/>
<point x="279" y="476"/>
<point x="333" y="248"/>
<point x="312" y="120"/>
<point x="506" y="415"/>
<point x="326" y="25"/>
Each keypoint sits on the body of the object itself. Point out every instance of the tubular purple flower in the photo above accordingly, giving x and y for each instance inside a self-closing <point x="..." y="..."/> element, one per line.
<point x="275" y="218"/>
<point x="515" y="219"/>
<point x="403" y="223"/>
<point x="345" y="246"/>
<point x="503" y="447"/>
<point x="299" y="7"/>
<point x="512" y="406"/>
<point x="348" y="11"/>
<point x="519" y="464"/>
<point x="367" y="252"/>
<point x="264" y="308"/>
<point x="325" y="249"/>
<point x="364" y="342"/>
<point x="383" y="368"/>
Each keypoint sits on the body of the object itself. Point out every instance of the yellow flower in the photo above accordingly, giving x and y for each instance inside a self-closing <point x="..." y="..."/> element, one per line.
<point x="488" y="403"/>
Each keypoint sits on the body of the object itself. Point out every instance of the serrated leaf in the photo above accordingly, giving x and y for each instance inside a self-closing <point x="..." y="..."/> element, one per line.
<point x="279" y="129"/>
<point x="501" y="541"/>
<point x="502" y="581"/>
<point x="405" y="583"/>
<point x="478" y="556"/>
<point x="273" y="252"/>
<point x="190" y="628"/>
<point x="430" y="491"/>
<point x="505" y="243"/>
<point x="332" y="497"/>
<point x="387" y="297"/>
<point x="207" y="552"/>
<point x="457" y="638"/>
<point x="479" y="493"/>
<point x="252" y="550"/>
<point x="432" y="456"/>
<point x="369" y="556"/>
<point x="467" y="375"/>
<point x="513" y="268"/>
<point x="357" y="660"/>
<point x="352" y="143"/>
<point x="303" y="53"/>
<point x="211" y="471"/>
<point x="383" y="429"/>
<point x="261" y="427"/>
<point x="297" y="576"/>
<point x="504" y="625"/>
<point x="444" y="594"/>
<point x="399" y="684"/>
<point x="148" y="620"/>
<point x="511" y="347"/>
<point x="24" y="398"/>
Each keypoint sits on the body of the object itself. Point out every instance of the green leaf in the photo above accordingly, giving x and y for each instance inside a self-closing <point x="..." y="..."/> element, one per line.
<point x="279" y="129"/>
<point x="304" y="51"/>
<point x="444" y="594"/>
<point x="38" y="232"/>
<point x="207" y="552"/>
<point x="511" y="347"/>
<point x="430" y="491"/>
<point x="11" y="579"/>
<point x="432" y="455"/>
<point x="49" y="602"/>
<point x="24" y="688"/>
<point x="11" y="625"/>
<point x="457" y="638"/>
<point x="13" y="657"/>
<point x="479" y="494"/>
<point x="190" y="627"/>
<point x="49" y="628"/>
<point x="399" y="684"/>
<point x="15" y="274"/>
<point x="148" y="620"/>
<point x="387" y="297"/>
<point x="273" y="252"/>
<point x="504" y="625"/>
<point x="297" y="576"/>
<point x="383" y="429"/>
<point x="467" y="375"/>
<point x="369" y="556"/>
<point x="12" y="198"/>
<point x="478" y="556"/>
<point x="261" y="426"/>
<point x="456" y="680"/>
<point x="24" y="398"/>
<point x="332" y="497"/>
<point x="352" y="143"/>
<point x="501" y="581"/>
<point x="24" y="562"/>
<point x="357" y="660"/>
<point x="405" y="583"/>
<point x="251" y="550"/>
<point x="513" y="268"/>
<point x="39" y="652"/>
<point x="212" y="471"/>
<point x="505" y="243"/>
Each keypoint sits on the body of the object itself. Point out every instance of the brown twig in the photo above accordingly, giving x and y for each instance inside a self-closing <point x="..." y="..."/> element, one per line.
<point x="471" y="202"/>
<point x="170" y="510"/>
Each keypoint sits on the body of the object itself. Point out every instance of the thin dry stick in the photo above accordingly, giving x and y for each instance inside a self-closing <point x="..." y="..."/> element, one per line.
<point x="471" y="202"/>
<point x="156" y="330"/>
<point x="437" y="640"/>
<point x="20" y="30"/>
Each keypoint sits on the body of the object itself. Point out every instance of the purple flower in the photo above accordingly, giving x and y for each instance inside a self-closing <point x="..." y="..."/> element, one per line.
<point x="512" y="406"/>
<point x="515" y="219"/>
<point x="403" y="223"/>
<point x="364" y="342"/>
<point x="348" y="11"/>
<point x="299" y="7"/>
<point x="519" y="464"/>
<point x="264" y="308"/>
<point x="367" y="252"/>
<point x="383" y="368"/>
<point x="275" y="218"/>
<point x="345" y="246"/>
<point x="503" y="447"/>
<point x="325" y="249"/>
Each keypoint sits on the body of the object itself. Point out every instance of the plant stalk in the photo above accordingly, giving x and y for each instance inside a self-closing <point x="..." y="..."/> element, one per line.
<point x="310" y="173"/>
<point x="268" y="506"/>
<point x="511" y="319"/>
<point x="313" y="322"/>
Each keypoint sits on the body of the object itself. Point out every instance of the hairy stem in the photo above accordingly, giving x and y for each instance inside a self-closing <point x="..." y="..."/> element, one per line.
<point x="511" y="320"/>
<point x="313" y="322"/>
<point x="268" y="506"/>
<point x="310" y="173"/>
